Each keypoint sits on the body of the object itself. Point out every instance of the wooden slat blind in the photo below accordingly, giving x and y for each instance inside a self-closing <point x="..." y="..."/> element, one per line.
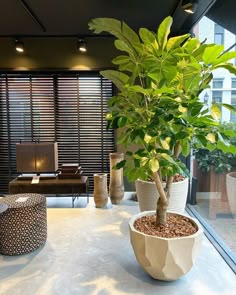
<point x="65" y="107"/>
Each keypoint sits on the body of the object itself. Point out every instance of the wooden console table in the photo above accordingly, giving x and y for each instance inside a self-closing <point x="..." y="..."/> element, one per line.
<point x="52" y="186"/>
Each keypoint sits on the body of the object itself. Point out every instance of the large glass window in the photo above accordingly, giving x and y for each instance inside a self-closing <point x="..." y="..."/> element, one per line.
<point x="68" y="108"/>
<point x="215" y="200"/>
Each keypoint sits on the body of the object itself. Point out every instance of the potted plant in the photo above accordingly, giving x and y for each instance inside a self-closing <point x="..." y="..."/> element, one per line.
<point x="231" y="192"/>
<point x="159" y="81"/>
<point x="211" y="167"/>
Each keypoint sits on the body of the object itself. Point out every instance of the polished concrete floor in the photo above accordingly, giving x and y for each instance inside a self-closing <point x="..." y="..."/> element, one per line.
<point x="88" y="252"/>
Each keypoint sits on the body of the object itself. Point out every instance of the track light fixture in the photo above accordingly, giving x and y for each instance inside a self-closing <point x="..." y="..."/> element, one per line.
<point x="189" y="6"/>
<point x="19" y="46"/>
<point x="82" y="45"/>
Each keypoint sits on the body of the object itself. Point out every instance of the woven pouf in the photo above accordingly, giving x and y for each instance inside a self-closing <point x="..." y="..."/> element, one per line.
<point x="23" y="226"/>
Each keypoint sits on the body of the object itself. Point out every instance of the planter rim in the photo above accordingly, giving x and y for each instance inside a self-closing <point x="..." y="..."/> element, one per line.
<point x="231" y="174"/>
<point x="100" y="174"/>
<point x="152" y="182"/>
<point x="138" y="215"/>
<point x="116" y="153"/>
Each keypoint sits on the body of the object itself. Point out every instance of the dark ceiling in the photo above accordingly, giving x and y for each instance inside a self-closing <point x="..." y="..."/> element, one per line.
<point x="71" y="17"/>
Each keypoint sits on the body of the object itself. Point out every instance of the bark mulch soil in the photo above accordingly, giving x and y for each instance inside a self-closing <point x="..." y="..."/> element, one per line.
<point x="177" y="226"/>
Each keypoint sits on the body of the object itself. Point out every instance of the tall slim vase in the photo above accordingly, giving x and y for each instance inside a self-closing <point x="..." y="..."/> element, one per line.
<point x="116" y="188"/>
<point x="100" y="190"/>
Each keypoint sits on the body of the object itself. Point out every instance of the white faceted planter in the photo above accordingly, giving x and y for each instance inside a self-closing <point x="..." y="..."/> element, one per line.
<point x="162" y="258"/>
<point x="147" y="195"/>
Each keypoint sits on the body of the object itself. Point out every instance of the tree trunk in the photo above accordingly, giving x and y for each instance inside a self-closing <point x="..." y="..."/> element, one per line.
<point x="162" y="202"/>
<point x="164" y="193"/>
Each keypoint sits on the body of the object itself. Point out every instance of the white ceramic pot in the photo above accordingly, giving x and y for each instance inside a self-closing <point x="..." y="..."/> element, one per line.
<point x="231" y="190"/>
<point x="162" y="258"/>
<point x="147" y="195"/>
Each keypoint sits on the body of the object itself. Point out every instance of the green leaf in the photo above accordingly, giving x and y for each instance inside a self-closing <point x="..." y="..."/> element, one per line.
<point x="122" y="121"/>
<point x="215" y="112"/>
<point x="119" y="29"/>
<point x="110" y="25"/>
<point x="185" y="145"/>
<point x="124" y="63"/>
<point x="176" y="41"/>
<point x="211" y="137"/>
<point x="225" y="57"/>
<point x="181" y="135"/>
<point x="147" y="138"/>
<point x="121" y="59"/>
<point x="211" y="53"/>
<point x="130" y="173"/>
<point x="230" y="133"/>
<point x="226" y="148"/>
<point x="123" y="46"/>
<point x="231" y="68"/>
<point x="206" y="121"/>
<point x="118" y="78"/>
<point x="165" y="144"/>
<point x="208" y="79"/>
<point x="154" y="165"/>
<point x="138" y="88"/>
<point x="192" y="44"/>
<point x="229" y="107"/>
<point x="129" y="33"/>
<point x="109" y="116"/>
<point x="123" y="138"/>
<point x="195" y="109"/>
<point x="168" y="158"/>
<point x="163" y="31"/>
<point x="140" y="152"/>
<point x="198" y="53"/>
<point x="120" y="165"/>
<point x="143" y="161"/>
<point x="146" y="36"/>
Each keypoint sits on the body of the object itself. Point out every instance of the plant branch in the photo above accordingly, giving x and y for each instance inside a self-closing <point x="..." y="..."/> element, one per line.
<point x="162" y="202"/>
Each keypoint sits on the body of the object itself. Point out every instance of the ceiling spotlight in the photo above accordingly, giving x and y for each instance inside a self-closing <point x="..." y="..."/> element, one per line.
<point x="189" y="6"/>
<point x="82" y="45"/>
<point x="19" y="46"/>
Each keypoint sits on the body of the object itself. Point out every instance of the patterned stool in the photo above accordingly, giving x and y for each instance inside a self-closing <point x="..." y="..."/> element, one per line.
<point x="23" y="226"/>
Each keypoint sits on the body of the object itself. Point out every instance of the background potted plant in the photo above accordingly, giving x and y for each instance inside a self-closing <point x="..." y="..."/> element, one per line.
<point x="147" y="193"/>
<point x="159" y="81"/>
<point x="211" y="168"/>
<point x="231" y="192"/>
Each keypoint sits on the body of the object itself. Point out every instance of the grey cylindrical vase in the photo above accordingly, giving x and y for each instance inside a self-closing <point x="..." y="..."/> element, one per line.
<point x="116" y="187"/>
<point x="100" y="190"/>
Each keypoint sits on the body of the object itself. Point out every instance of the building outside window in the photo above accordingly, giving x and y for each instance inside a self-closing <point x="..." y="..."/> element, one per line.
<point x="233" y="100"/>
<point x="219" y="35"/>
<point x="217" y="90"/>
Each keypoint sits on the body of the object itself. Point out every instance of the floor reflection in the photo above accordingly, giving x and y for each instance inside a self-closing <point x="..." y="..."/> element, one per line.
<point x="217" y="213"/>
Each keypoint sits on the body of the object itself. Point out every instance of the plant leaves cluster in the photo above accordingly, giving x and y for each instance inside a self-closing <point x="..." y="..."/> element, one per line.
<point x="222" y="162"/>
<point x="159" y="80"/>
